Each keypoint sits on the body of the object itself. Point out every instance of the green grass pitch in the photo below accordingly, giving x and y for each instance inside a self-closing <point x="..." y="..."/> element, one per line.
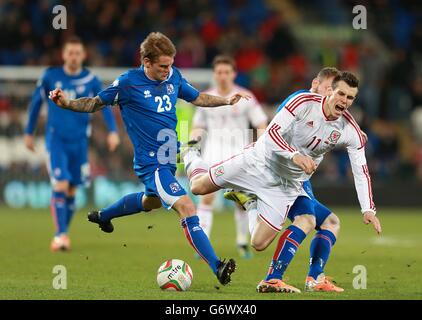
<point x="123" y="265"/>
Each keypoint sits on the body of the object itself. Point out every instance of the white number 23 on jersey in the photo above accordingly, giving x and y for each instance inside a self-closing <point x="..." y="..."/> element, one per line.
<point x="164" y="103"/>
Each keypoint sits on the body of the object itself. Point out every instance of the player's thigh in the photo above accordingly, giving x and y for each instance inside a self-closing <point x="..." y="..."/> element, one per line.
<point x="203" y="185"/>
<point x="168" y="188"/>
<point x="236" y="173"/>
<point x="263" y="235"/>
<point x="302" y="213"/>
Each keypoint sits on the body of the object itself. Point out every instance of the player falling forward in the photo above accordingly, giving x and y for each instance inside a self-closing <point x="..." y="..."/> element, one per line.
<point x="229" y="127"/>
<point x="287" y="154"/>
<point x="147" y="98"/>
<point x="327" y="223"/>
<point x="67" y="134"/>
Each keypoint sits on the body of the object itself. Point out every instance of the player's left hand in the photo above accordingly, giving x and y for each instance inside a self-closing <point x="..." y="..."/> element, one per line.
<point x="235" y="98"/>
<point x="113" y="141"/>
<point x="369" y="217"/>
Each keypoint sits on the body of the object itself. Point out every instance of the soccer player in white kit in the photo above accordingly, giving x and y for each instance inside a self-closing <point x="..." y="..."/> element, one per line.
<point x="223" y="132"/>
<point x="274" y="168"/>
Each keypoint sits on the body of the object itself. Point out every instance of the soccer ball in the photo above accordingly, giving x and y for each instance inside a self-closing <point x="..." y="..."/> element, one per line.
<point x="175" y="275"/>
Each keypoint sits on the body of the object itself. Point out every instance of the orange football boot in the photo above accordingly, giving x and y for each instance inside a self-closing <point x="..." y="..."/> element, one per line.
<point x="322" y="283"/>
<point x="275" y="285"/>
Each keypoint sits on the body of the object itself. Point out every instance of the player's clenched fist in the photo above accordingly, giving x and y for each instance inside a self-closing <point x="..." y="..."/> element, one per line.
<point x="58" y="96"/>
<point x="305" y="162"/>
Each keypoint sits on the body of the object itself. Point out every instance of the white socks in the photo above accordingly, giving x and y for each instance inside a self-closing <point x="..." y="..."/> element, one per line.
<point x="242" y="231"/>
<point x="205" y="216"/>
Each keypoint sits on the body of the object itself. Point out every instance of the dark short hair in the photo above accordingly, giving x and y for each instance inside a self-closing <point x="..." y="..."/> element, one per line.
<point x="224" y="59"/>
<point x="327" y="72"/>
<point x="155" y="45"/>
<point x="72" y="40"/>
<point x="347" y="77"/>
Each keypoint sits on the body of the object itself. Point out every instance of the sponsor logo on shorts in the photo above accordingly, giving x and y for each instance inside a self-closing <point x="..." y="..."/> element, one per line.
<point x="334" y="136"/>
<point x="219" y="171"/>
<point x="175" y="187"/>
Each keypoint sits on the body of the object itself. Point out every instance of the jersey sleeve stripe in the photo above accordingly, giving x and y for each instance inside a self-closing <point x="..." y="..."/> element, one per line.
<point x="276" y="137"/>
<point x="350" y="119"/>
<point x="368" y="178"/>
<point x="292" y="108"/>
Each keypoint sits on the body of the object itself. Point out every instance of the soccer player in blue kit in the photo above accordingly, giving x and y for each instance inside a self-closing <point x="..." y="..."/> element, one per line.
<point x="67" y="134"/>
<point x="147" y="98"/>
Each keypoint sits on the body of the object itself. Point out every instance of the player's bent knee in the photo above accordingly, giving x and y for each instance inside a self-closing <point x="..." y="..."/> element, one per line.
<point x="61" y="186"/>
<point x="185" y="207"/>
<point x="305" y="222"/>
<point x="332" y="223"/>
<point x="258" y="246"/>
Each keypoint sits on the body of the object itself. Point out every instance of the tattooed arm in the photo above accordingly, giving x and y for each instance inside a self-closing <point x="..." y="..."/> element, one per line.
<point x="207" y="100"/>
<point x="78" y="105"/>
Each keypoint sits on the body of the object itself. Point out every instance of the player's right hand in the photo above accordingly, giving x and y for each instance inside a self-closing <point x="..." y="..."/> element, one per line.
<point x="28" y="139"/>
<point x="58" y="97"/>
<point x="306" y="163"/>
<point x="370" y="217"/>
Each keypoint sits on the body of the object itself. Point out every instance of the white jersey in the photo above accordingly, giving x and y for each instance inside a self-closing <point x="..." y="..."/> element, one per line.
<point x="302" y="127"/>
<point x="228" y="126"/>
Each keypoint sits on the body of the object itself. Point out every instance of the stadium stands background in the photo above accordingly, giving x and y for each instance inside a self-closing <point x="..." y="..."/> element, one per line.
<point x="278" y="45"/>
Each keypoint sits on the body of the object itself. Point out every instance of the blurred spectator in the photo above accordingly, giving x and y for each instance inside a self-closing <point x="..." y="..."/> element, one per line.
<point x="278" y="46"/>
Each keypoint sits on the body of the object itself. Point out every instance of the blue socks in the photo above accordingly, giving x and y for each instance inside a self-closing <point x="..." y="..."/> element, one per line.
<point x="59" y="212"/>
<point x="320" y="251"/>
<point x="199" y="241"/>
<point x="129" y="204"/>
<point x="287" y="246"/>
<point x="70" y="205"/>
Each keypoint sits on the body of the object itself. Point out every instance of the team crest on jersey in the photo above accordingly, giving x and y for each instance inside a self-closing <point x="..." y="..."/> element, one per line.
<point x="334" y="136"/>
<point x="170" y="88"/>
<point x="219" y="171"/>
<point x="175" y="187"/>
<point x="147" y="94"/>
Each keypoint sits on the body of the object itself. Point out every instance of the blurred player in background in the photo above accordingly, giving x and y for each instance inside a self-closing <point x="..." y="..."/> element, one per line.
<point x="227" y="132"/>
<point x="289" y="152"/>
<point x="67" y="134"/>
<point x="147" y="99"/>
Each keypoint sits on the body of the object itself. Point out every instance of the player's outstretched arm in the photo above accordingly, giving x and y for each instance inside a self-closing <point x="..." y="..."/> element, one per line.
<point x="369" y="217"/>
<point x="79" y="105"/>
<point x="208" y="100"/>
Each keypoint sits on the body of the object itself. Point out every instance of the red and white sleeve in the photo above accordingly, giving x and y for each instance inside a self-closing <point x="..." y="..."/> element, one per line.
<point x="362" y="179"/>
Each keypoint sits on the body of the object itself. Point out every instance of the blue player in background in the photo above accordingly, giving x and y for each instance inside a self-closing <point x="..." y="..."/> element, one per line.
<point x="67" y="134"/>
<point x="147" y="98"/>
